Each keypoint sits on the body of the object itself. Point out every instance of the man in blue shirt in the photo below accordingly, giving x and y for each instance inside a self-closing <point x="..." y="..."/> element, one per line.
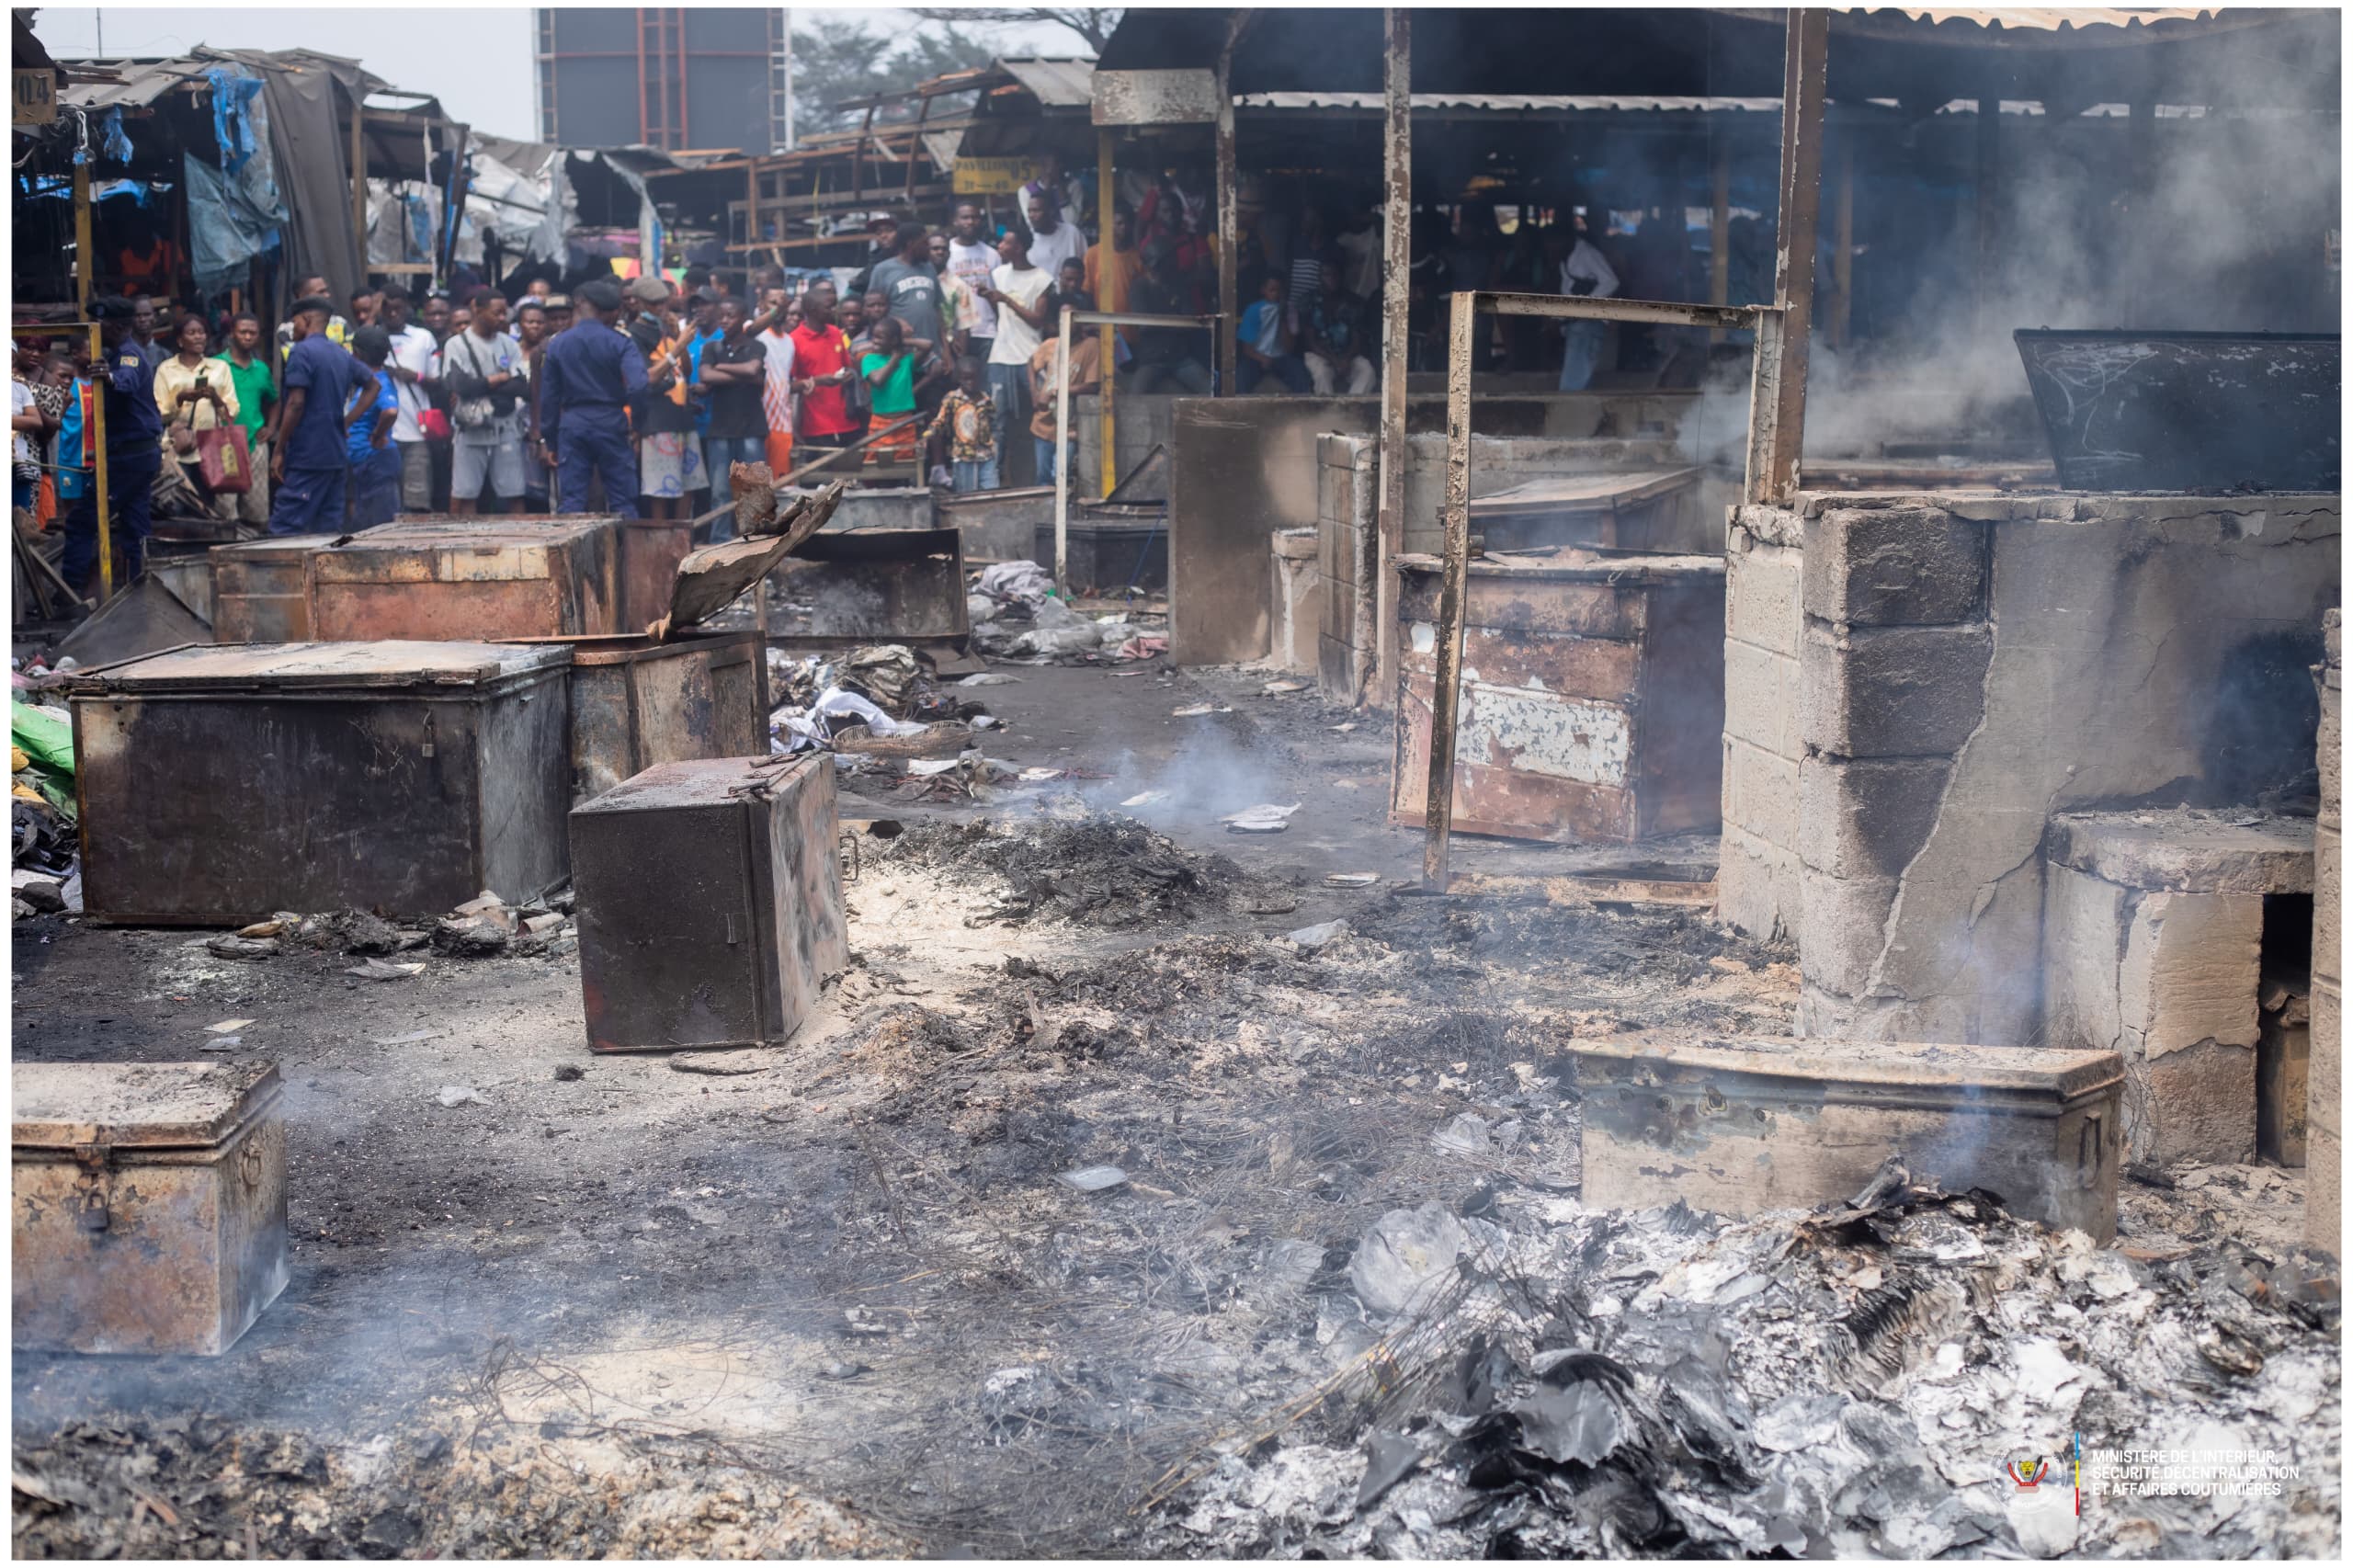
<point x="367" y="433"/>
<point x="307" y="464"/>
<point x="591" y="375"/>
<point x="135" y="451"/>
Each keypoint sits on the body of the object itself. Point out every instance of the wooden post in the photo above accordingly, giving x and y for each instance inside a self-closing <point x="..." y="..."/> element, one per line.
<point x="1229" y="223"/>
<point x="1842" y="315"/>
<point x="98" y="495"/>
<point x="1106" y="196"/>
<point x="1446" y="686"/>
<point x="86" y="260"/>
<point x="359" y="191"/>
<point x="857" y="158"/>
<point x="1376" y="602"/>
<point x="1061" y="461"/>
<point x="1719" y="226"/>
<point x="1800" y="206"/>
<point x="915" y="148"/>
<point x="751" y="203"/>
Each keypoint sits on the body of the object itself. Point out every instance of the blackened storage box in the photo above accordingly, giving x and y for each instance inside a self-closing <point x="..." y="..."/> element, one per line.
<point x="710" y="903"/>
<point x="219" y="784"/>
<point x="148" y="1205"/>
<point x="259" y="589"/>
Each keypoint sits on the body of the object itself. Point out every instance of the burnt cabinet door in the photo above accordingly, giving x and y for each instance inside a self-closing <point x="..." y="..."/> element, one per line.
<point x="670" y="952"/>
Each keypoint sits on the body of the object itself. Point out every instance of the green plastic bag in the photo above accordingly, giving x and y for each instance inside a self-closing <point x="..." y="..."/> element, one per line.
<point x="46" y="739"/>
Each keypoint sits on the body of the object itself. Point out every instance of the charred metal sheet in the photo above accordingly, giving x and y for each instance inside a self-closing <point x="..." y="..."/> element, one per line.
<point x="1570" y="891"/>
<point x="710" y="904"/>
<point x="148" y="1205"/>
<point x="708" y="580"/>
<point x="998" y="525"/>
<point x="651" y="549"/>
<point x="145" y="618"/>
<point x="477" y="580"/>
<point x="1740" y="1126"/>
<point x="2191" y="411"/>
<point x="881" y="586"/>
<point x="1608" y="509"/>
<point x="636" y="703"/>
<point x="1591" y="693"/>
<point x="219" y="784"/>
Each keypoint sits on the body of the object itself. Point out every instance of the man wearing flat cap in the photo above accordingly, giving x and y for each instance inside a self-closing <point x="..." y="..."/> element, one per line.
<point x="134" y="451"/>
<point x="593" y="373"/>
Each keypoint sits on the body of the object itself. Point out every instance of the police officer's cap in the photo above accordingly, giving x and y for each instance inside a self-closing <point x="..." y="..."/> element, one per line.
<point x="604" y="295"/>
<point x="111" y="307"/>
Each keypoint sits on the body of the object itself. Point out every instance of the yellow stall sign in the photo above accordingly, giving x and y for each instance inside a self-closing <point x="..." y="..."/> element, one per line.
<point x="993" y="176"/>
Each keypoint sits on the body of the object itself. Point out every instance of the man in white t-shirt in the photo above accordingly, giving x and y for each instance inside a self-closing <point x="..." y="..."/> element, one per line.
<point x="775" y="335"/>
<point x="1053" y="239"/>
<point x="1585" y="272"/>
<point x="971" y="260"/>
<point x="411" y="363"/>
<point x="1017" y="289"/>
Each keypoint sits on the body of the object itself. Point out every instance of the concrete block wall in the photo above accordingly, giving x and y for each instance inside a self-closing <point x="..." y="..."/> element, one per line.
<point x="1970" y="663"/>
<point x="1757" y="883"/>
<point x="1347" y="506"/>
<point x="2324" y="1110"/>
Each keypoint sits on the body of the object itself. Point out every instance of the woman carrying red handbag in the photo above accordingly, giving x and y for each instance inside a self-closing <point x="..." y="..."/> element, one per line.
<point x="199" y="402"/>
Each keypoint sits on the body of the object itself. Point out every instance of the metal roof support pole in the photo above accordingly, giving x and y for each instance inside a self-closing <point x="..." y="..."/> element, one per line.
<point x="1446" y="688"/>
<point x="1842" y="313"/>
<point x="914" y="147"/>
<point x="1801" y="207"/>
<point x="86" y="261"/>
<point x="1989" y="168"/>
<point x="1106" y="194"/>
<point x="1376" y="579"/>
<point x="1720" y="225"/>
<point x="1229" y="220"/>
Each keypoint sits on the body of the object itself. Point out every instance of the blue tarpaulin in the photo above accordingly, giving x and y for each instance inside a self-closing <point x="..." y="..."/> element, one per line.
<point x="233" y="211"/>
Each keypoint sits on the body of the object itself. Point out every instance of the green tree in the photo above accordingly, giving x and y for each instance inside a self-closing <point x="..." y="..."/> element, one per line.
<point x="837" y="59"/>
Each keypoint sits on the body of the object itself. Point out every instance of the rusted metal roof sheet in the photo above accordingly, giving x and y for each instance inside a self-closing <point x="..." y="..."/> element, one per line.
<point x="1056" y="84"/>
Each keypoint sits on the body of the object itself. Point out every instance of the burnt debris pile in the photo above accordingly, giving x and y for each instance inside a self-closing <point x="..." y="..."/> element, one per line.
<point x="1877" y="1377"/>
<point x="1100" y="870"/>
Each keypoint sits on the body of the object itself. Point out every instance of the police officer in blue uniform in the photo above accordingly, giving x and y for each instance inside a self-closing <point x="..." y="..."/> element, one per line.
<point x="134" y="451"/>
<point x="591" y="374"/>
<point x="309" y="470"/>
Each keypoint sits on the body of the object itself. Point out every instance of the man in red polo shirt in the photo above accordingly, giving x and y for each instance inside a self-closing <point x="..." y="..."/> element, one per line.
<point x="820" y="368"/>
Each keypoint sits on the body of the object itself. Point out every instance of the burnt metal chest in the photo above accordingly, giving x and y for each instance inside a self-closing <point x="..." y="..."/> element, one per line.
<point x="710" y="903"/>
<point x="219" y="784"/>
<point x="1742" y="1125"/>
<point x="260" y="589"/>
<point x="1593" y="695"/>
<point x="465" y="580"/>
<point x="148" y="1204"/>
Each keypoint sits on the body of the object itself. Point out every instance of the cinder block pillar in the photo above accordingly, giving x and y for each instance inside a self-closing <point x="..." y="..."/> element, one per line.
<point x="1757" y="878"/>
<point x="2324" y="1134"/>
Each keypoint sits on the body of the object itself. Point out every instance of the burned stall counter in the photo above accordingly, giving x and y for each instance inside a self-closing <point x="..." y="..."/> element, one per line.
<point x="149" y="1204"/>
<point x="260" y="588"/>
<point x="1593" y="695"/>
<point x="485" y="578"/>
<point x="219" y="784"/>
<point x="710" y="903"/>
<point x="1740" y="1126"/>
<point x="878" y="585"/>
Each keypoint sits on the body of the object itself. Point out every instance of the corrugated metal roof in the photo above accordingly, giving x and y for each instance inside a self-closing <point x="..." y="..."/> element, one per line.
<point x="1056" y="84"/>
<point x="2041" y="18"/>
<point x="1514" y="103"/>
<point x="142" y="81"/>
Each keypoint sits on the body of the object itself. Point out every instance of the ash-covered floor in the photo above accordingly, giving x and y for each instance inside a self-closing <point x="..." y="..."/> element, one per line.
<point x="836" y="1297"/>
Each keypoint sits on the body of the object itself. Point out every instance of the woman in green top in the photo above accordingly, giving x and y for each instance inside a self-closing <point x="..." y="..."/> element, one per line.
<point x="250" y="374"/>
<point x="890" y="369"/>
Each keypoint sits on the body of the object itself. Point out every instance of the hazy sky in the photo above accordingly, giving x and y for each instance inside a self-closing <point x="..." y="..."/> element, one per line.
<point x="477" y="61"/>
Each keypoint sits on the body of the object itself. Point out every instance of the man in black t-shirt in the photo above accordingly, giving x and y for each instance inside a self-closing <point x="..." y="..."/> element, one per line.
<point x="730" y="376"/>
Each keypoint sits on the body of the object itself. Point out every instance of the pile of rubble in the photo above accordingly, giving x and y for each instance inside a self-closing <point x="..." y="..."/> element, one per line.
<point x="484" y="926"/>
<point x="1106" y="870"/>
<point x="1913" y="1373"/>
<point x="880" y="700"/>
<point x="44" y="866"/>
<point x="1015" y="614"/>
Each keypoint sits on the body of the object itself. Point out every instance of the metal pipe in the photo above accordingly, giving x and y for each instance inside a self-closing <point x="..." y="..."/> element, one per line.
<point x="1842" y="318"/>
<point x="86" y="261"/>
<point x="99" y="487"/>
<point x="359" y="185"/>
<point x="1376" y="602"/>
<point x="1229" y="221"/>
<point x="1062" y="460"/>
<point x="1446" y="686"/>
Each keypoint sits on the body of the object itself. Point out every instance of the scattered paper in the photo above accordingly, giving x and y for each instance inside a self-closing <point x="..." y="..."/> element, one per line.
<point x="222" y="1042"/>
<point x="376" y="968"/>
<point x="227" y="1026"/>
<point x="1260" y="819"/>
<point x="1039" y="775"/>
<point x="1094" y="1178"/>
<point x="991" y="677"/>
<point x="1199" y="708"/>
<point x="1344" y="729"/>
<point x="925" y="768"/>
<point x="1149" y="798"/>
<point x="455" y="1094"/>
<point x="1279" y="687"/>
<point x="1353" y="879"/>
